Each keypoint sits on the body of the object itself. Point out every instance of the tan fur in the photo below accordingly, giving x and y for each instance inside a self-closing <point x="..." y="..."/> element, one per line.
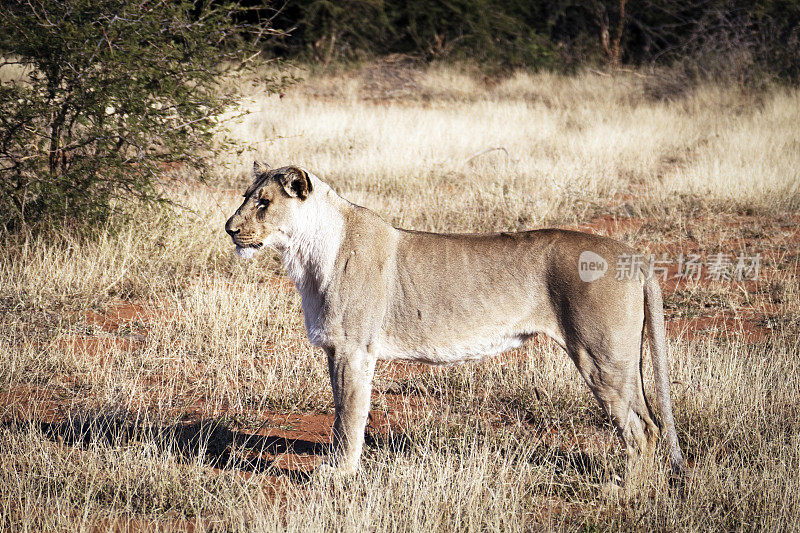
<point x="371" y="291"/>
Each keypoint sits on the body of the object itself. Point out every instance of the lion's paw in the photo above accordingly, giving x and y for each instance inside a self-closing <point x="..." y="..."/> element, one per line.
<point x="329" y="469"/>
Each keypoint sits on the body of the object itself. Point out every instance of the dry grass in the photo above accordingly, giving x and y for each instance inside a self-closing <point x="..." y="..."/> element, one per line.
<point x="157" y="419"/>
<point x="570" y="144"/>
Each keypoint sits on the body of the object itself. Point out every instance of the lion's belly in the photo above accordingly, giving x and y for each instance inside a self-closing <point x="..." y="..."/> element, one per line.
<point x="444" y="352"/>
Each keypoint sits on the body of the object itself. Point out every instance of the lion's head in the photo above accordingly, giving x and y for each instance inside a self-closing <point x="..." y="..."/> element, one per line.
<point x="270" y="203"/>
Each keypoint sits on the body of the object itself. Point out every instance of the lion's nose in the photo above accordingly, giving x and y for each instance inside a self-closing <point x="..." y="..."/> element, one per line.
<point x="230" y="229"/>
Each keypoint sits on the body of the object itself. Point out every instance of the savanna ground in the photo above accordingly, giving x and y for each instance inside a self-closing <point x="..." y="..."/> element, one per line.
<point x="151" y="380"/>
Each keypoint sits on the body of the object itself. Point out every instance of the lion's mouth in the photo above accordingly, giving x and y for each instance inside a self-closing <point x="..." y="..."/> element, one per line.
<point x="240" y="244"/>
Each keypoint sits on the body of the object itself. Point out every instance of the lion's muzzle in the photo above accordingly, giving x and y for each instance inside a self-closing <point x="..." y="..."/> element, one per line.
<point x="231" y="227"/>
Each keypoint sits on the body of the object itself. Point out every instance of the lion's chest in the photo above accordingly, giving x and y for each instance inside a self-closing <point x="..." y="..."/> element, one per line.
<point x="313" y="314"/>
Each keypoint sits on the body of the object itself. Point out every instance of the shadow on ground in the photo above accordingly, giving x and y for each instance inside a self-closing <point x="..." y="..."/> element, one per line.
<point x="209" y="441"/>
<point x="213" y="443"/>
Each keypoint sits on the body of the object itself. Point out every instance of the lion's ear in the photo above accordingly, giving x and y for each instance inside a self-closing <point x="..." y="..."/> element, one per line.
<point x="259" y="168"/>
<point x="296" y="183"/>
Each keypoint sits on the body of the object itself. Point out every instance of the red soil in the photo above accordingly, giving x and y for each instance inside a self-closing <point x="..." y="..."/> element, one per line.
<point x="122" y="314"/>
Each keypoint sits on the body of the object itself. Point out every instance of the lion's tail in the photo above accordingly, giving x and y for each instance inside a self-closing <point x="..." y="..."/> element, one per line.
<point x="654" y="313"/>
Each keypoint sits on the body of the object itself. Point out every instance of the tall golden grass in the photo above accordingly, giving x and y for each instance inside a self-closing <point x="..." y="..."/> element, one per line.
<point x="150" y="423"/>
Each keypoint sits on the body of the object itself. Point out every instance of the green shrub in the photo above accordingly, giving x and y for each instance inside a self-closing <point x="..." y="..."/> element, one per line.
<point x="108" y="95"/>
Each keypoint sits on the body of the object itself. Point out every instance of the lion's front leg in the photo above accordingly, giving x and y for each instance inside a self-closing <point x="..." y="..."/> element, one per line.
<point x="351" y="372"/>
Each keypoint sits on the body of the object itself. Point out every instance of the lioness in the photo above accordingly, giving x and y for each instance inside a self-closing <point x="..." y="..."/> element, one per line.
<point x="371" y="291"/>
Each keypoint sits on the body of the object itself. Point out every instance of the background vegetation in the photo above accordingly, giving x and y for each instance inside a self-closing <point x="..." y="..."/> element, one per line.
<point x="709" y="37"/>
<point x="100" y="96"/>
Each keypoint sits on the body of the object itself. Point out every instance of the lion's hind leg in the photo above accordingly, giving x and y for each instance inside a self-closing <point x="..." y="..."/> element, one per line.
<point x="614" y="377"/>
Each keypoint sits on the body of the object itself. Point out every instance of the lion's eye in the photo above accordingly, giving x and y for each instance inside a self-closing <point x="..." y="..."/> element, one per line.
<point x="263" y="204"/>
